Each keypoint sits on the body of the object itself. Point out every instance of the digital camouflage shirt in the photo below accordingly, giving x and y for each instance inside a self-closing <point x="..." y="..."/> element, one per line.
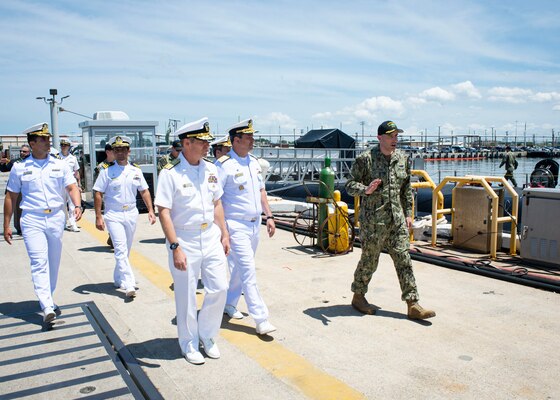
<point x="391" y="203"/>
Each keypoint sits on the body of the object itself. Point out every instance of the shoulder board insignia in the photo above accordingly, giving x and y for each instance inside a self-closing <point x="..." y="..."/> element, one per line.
<point x="224" y="158"/>
<point x="172" y="163"/>
<point x="252" y="156"/>
<point x="104" y="164"/>
<point x="207" y="160"/>
<point x="56" y="156"/>
<point x="135" y="165"/>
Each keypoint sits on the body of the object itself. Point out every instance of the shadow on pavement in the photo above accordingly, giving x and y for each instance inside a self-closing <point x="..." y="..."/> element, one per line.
<point x="153" y="240"/>
<point x="97" y="249"/>
<point x="104" y="288"/>
<point x="239" y="327"/>
<point x="325" y="314"/>
<point x="27" y="311"/>
<point x="155" y="349"/>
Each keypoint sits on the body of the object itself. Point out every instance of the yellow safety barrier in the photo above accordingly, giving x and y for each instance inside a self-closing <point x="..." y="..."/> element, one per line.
<point x="483" y="181"/>
<point x="428" y="184"/>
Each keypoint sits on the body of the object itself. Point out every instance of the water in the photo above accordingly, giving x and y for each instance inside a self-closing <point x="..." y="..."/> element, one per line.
<point x="487" y="167"/>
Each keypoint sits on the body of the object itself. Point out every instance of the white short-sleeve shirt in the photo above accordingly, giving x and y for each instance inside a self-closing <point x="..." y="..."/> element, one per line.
<point x="71" y="160"/>
<point x="42" y="183"/>
<point x="120" y="184"/>
<point x="242" y="183"/>
<point x="189" y="191"/>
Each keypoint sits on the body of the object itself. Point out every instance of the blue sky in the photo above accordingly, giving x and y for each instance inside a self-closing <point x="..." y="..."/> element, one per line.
<point x="464" y="66"/>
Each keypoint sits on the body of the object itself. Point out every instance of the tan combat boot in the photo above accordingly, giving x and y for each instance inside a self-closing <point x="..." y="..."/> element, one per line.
<point x="360" y="303"/>
<point x="415" y="311"/>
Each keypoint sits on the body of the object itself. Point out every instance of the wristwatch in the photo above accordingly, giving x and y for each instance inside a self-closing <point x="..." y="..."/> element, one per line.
<point x="173" y="246"/>
<point x="270" y="217"/>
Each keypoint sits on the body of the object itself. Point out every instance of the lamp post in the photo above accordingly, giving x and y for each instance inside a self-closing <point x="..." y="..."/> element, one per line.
<point x="53" y="104"/>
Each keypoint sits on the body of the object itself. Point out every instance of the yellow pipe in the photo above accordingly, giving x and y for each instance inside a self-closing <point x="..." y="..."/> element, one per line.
<point x="428" y="184"/>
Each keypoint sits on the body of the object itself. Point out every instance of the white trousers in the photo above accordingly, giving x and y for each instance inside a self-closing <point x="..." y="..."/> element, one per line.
<point x="71" y="218"/>
<point x="121" y="226"/>
<point x="42" y="235"/>
<point x="244" y="238"/>
<point x="205" y="258"/>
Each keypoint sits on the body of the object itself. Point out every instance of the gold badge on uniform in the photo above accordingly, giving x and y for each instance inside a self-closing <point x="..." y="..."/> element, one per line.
<point x="239" y="174"/>
<point x="241" y="187"/>
<point x="212" y="179"/>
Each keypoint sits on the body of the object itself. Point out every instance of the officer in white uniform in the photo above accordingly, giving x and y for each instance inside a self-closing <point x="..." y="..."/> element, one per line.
<point x="75" y="168"/>
<point x="191" y="215"/>
<point x="244" y="200"/>
<point x="43" y="180"/>
<point x="221" y="146"/>
<point x="118" y="184"/>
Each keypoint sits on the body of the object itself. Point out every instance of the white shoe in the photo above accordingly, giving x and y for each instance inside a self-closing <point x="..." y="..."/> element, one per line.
<point x="74" y="228"/>
<point x="265" y="327"/>
<point x="194" y="357"/>
<point x="233" y="312"/>
<point x="48" y="315"/>
<point x="210" y="348"/>
<point x="131" y="293"/>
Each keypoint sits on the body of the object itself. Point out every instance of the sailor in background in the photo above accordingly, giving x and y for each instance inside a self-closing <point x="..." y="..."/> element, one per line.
<point x="72" y="162"/>
<point x="221" y="146"/>
<point x="174" y="152"/>
<point x="244" y="200"/>
<point x="117" y="185"/>
<point x="191" y="215"/>
<point x="109" y="160"/>
<point x="24" y="152"/>
<point x="42" y="180"/>
<point x="511" y="165"/>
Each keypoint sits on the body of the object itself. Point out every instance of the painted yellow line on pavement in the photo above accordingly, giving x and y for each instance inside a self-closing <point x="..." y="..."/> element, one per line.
<point x="272" y="356"/>
<point x="160" y="277"/>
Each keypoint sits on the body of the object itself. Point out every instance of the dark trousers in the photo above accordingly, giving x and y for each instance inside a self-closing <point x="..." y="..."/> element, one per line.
<point x="17" y="215"/>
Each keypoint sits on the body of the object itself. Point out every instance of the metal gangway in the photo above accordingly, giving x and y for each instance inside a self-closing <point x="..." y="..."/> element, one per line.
<point x="297" y="164"/>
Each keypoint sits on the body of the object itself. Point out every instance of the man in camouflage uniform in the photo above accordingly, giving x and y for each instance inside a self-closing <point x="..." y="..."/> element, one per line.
<point x="511" y="165"/>
<point x="176" y="149"/>
<point x="381" y="177"/>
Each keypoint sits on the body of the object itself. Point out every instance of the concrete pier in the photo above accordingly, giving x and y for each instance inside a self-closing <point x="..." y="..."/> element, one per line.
<point x="489" y="340"/>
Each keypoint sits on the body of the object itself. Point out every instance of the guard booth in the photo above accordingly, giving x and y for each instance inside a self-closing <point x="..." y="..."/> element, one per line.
<point x="96" y="134"/>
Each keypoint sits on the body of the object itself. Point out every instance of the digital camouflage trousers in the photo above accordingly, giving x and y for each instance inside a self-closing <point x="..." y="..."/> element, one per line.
<point x="396" y="240"/>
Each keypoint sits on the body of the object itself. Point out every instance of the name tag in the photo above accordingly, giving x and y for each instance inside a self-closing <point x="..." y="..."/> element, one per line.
<point x="27" y="173"/>
<point x="239" y="174"/>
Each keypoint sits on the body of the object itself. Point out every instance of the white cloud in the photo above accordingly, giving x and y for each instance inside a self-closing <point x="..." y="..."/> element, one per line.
<point x="468" y="89"/>
<point x="368" y="110"/>
<point x="416" y="101"/>
<point x="323" y="115"/>
<point x="545" y="96"/>
<point x="514" y="95"/>
<point x="382" y="103"/>
<point x="276" y="119"/>
<point x="437" y="94"/>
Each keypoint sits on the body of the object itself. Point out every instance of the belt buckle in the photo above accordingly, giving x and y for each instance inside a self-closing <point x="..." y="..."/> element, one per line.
<point x="125" y="207"/>
<point x="204" y="226"/>
<point x="48" y="211"/>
